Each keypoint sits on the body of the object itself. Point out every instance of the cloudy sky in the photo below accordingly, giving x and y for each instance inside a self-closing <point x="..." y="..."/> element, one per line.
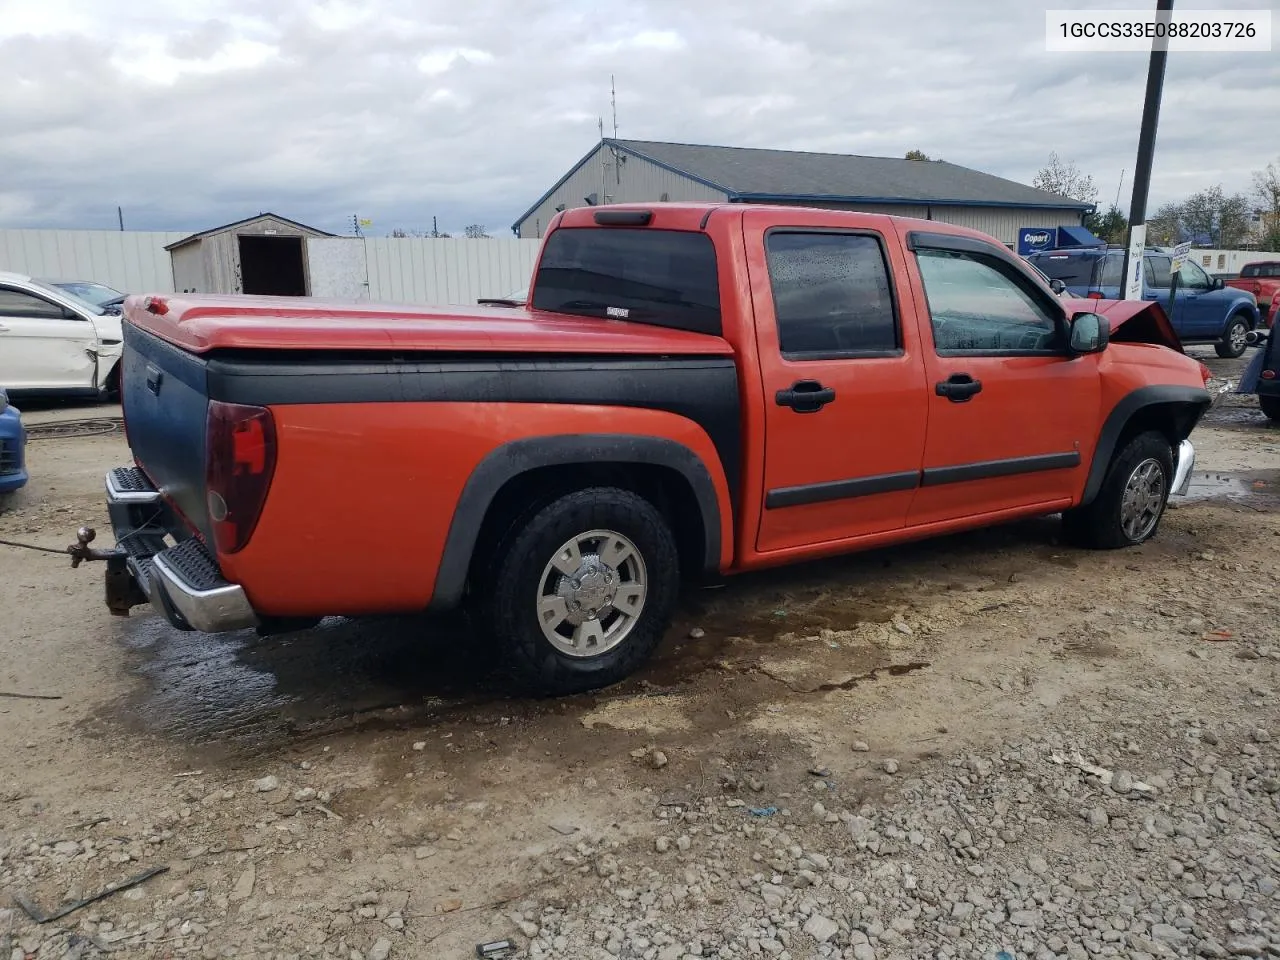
<point x="190" y="113"/>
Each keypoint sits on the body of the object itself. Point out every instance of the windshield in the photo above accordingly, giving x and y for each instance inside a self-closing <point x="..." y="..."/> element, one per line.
<point x="95" y="293"/>
<point x="1071" y="269"/>
<point x="59" y="291"/>
<point x="663" y="277"/>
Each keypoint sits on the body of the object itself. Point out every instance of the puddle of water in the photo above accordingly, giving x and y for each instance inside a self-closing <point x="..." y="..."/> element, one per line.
<point x="1215" y="485"/>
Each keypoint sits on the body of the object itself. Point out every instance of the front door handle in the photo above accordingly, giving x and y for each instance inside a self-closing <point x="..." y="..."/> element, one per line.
<point x="805" y="396"/>
<point x="3" y="328"/>
<point x="958" y="388"/>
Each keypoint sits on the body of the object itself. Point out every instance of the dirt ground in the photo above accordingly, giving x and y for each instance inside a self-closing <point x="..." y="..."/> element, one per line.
<point x="360" y="790"/>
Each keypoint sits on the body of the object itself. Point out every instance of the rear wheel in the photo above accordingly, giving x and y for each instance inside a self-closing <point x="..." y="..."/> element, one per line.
<point x="1233" y="344"/>
<point x="582" y="592"/>
<point x="1270" y="407"/>
<point x="1128" y="507"/>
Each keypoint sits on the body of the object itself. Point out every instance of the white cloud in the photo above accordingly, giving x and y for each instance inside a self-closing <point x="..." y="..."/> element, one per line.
<point x="210" y="110"/>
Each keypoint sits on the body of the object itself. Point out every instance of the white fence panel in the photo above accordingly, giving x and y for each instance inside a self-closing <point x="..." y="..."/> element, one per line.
<point x="438" y="272"/>
<point x="444" y="272"/>
<point x="132" y="261"/>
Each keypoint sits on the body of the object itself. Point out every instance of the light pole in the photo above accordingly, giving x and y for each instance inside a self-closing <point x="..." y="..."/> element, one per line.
<point x="1146" y="150"/>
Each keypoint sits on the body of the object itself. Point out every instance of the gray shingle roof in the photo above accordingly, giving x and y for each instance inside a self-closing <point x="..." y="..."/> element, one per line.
<point x="776" y="174"/>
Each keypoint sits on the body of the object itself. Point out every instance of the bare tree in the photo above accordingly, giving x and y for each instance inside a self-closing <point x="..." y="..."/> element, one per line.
<point x="1266" y="188"/>
<point x="1064" y="178"/>
<point x="475" y="231"/>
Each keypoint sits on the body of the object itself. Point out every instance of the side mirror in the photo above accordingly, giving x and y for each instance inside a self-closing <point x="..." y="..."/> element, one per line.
<point x="1217" y="284"/>
<point x="69" y="314"/>
<point x="1057" y="286"/>
<point x="1089" y="333"/>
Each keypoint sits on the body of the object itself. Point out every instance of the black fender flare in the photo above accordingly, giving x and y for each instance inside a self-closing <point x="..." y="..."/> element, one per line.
<point x="1123" y="412"/>
<point x="510" y="460"/>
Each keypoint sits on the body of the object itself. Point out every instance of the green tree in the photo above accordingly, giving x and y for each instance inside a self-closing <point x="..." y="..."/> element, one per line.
<point x="917" y="155"/>
<point x="1112" y="226"/>
<point x="1224" y="217"/>
<point x="1163" y="226"/>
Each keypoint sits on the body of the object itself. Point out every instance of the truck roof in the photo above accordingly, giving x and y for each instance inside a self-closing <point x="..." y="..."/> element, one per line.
<point x="201" y="323"/>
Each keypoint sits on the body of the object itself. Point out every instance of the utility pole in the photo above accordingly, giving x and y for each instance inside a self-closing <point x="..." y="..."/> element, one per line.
<point x="120" y="217"/>
<point x="1132" y="289"/>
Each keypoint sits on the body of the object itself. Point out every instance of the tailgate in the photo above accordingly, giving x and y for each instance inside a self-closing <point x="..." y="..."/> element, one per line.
<point x="165" y="411"/>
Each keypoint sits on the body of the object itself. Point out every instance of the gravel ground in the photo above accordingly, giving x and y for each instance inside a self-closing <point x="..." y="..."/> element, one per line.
<point x="984" y="746"/>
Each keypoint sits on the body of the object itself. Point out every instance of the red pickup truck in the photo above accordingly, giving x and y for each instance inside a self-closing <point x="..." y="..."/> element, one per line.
<point x="691" y="391"/>
<point x="1262" y="279"/>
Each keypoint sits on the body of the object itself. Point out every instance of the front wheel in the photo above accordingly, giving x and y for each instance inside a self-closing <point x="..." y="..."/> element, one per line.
<point x="1128" y="507"/>
<point x="583" y="592"/>
<point x="1233" y="344"/>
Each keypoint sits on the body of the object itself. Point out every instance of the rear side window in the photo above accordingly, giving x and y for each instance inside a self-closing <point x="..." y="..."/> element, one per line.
<point x="1159" y="271"/>
<point x="1112" y="271"/>
<point x="1074" y="271"/>
<point x="831" y="295"/>
<point x="662" y="277"/>
<point x="1261" y="270"/>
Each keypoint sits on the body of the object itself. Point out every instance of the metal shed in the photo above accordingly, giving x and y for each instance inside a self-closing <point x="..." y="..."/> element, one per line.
<point x="266" y="254"/>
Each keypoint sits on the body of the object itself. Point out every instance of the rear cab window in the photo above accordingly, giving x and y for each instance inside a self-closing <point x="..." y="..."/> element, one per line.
<point x="832" y="296"/>
<point x="1072" y="269"/>
<point x="666" y="278"/>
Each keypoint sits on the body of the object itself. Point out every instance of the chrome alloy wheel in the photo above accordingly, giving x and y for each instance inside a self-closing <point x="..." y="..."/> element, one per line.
<point x="1143" y="499"/>
<point x="591" y="593"/>
<point x="1238" y="334"/>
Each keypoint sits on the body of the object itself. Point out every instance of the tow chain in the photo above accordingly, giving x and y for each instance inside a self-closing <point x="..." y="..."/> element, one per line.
<point x="79" y="551"/>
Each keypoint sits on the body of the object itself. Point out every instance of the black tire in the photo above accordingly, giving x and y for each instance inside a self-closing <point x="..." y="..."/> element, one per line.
<point x="508" y="604"/>
<point x="1100" y="525"/>
<point x="1232" y="344"/>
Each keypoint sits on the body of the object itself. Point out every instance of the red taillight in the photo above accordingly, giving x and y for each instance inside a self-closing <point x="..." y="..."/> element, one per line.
<point x="1205" y="373"/>
<point x="1094" y="295"/>
<point x="1268" y="374"/>
<point x="240" y="457"/>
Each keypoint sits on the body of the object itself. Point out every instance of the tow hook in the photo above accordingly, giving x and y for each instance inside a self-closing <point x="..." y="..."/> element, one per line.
<point x="122" y="590"/>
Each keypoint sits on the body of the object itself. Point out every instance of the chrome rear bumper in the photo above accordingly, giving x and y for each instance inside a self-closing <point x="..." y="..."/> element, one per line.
<point x="182" y="580"/>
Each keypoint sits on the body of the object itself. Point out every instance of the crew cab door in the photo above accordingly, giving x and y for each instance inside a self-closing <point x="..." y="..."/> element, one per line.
<point x="1013" y="417"/>
<point x="43" y="346"/>
<point x="844" y="396"/>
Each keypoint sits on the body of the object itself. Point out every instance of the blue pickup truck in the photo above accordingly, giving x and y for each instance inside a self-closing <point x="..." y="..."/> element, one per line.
<point x="1205" y="310"/>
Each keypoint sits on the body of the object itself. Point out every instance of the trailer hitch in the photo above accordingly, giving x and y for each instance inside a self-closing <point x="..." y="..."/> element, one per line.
<point x="80" y="551"/>
<point x="122" y="590"/>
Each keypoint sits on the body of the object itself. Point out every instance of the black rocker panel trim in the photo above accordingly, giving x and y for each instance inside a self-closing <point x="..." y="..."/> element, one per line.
<point x="520" y="456"/>
<point x="701" y="389"/>
<point x="989" y="469"/>
<point x="810" y="493"/>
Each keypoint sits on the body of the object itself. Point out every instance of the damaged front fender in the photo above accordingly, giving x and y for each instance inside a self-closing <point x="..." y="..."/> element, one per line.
<point x="1132" y="321"/>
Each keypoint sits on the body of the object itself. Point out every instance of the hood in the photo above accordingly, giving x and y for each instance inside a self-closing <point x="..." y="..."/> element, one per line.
<point x="1132" y="321"/>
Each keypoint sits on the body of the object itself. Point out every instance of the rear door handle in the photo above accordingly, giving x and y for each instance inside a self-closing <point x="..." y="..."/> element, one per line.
<point x="958" y="388"/>
<point x="805" y="396"/>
